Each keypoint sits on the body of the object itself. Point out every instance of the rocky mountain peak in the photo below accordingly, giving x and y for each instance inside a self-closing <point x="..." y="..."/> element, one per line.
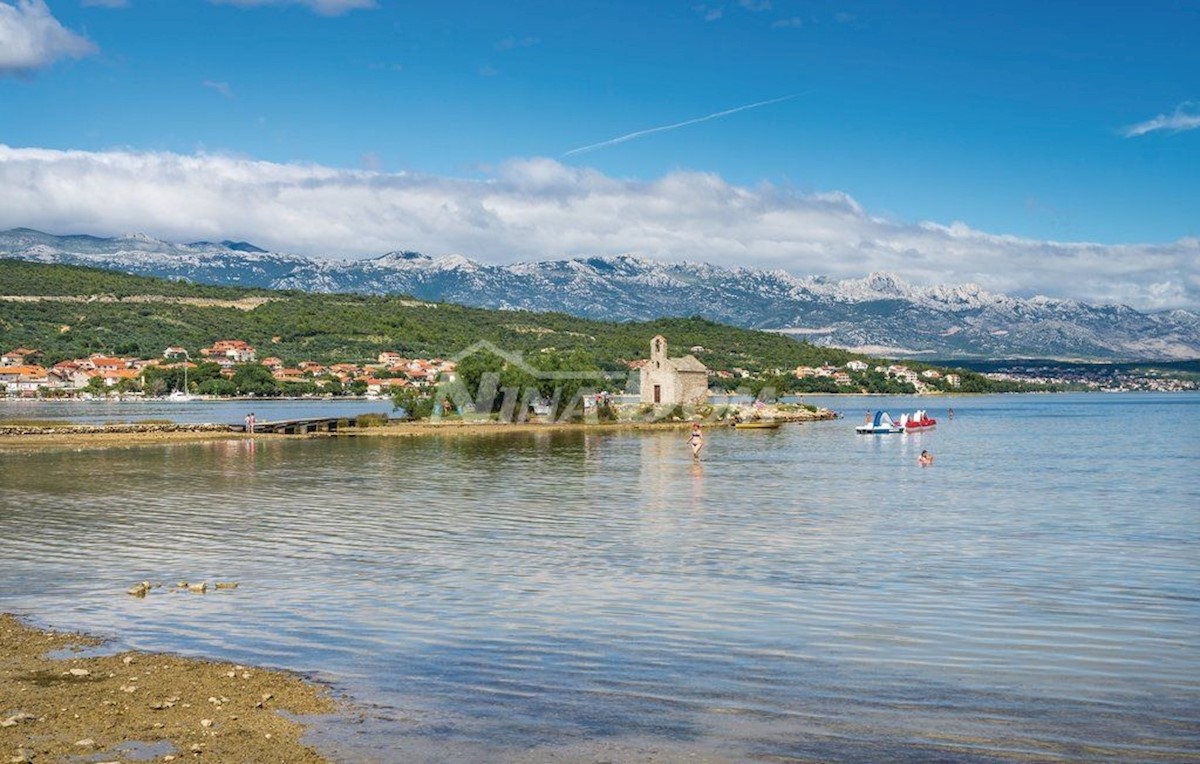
<point x="879" y="310"/>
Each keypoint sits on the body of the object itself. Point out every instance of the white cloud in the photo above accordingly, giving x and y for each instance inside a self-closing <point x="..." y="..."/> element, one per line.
<point x="534" y="209"/>
<point x="31" y="38"/>
<point x="221" y="87"/>
<point x="1178" y="122"/>
<point x="323" y="7"/>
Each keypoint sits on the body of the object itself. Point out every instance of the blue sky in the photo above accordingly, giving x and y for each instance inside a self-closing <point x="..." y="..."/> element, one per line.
<point x="1033" y="148"/>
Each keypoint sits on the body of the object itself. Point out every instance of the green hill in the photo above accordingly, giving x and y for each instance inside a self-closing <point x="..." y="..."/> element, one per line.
<point x="69" y="312"/>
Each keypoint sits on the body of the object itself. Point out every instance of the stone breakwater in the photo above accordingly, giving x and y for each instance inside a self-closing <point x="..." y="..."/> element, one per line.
<point x="114" y="429"/>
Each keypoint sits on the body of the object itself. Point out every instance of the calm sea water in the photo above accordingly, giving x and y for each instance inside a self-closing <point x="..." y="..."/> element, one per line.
<point x="800" y="594"/>
<point x="191" y="412"/>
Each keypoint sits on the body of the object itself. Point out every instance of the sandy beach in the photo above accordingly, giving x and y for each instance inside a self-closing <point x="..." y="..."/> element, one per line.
<point x="59" y="701"/>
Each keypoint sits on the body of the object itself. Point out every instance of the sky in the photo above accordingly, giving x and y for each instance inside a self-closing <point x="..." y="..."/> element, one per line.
<point x="1031" y="148"/>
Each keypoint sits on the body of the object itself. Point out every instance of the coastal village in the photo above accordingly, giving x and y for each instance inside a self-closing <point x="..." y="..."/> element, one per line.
<point x="22" y="376"/>
<point x="662" y="379"/>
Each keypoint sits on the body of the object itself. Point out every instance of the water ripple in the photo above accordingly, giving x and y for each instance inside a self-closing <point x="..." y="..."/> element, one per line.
<point x="804" y="593"/>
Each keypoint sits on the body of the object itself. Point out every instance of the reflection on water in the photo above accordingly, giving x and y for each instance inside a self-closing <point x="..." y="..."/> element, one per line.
<point x="801" y="593"/>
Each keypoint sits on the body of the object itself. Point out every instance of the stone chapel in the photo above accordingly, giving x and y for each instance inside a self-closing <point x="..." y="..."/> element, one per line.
<point x="672" y="381"/>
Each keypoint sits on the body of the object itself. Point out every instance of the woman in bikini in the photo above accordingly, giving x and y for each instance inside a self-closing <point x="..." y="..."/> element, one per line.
<point x="696" y="441"/>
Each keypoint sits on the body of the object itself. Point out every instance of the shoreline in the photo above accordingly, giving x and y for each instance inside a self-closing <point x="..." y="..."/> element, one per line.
<point x="22" y="437"/>
<point x="119" y="436"/>
<point x="59" y="701"/>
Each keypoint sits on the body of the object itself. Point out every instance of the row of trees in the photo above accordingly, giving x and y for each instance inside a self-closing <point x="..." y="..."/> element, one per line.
<point x="248" y="379"/>
<point x="789" y="384"/>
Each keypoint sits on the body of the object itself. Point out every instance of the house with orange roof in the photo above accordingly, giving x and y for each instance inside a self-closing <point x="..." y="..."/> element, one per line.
<point x="422" y="377"/>
<point x="66" y="375"/>
<point x="288" y="375"/>
<point x="22" y="380"/>
<point x="377" y="386"/>
<point x="114" y="377"/>
<point x="103" y="363"/>
<point x="229" y="352"/>
<point x="17" y="356"/>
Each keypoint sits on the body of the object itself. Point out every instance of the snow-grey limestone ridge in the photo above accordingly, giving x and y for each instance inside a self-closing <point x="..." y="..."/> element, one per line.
<point x="878" y="314"/>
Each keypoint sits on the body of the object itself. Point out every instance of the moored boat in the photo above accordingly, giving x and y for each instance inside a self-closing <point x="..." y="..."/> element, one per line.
<point x="882" y="424"/>
<point x="918" y="421"/>
<point x="758" y="424"/>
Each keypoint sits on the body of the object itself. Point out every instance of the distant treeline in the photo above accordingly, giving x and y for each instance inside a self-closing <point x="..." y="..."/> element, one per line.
<point x="1051" y="365"/>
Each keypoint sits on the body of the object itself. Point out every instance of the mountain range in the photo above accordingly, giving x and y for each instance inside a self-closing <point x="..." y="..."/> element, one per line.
<point x="878" y="314"/>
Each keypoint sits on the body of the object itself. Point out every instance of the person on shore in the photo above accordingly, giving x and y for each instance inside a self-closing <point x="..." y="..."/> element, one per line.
<point x="696" y="440"/>
<point x="925" y="459"/>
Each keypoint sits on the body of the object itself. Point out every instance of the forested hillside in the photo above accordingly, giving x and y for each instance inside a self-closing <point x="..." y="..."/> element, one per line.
<point x="88" y="310"/>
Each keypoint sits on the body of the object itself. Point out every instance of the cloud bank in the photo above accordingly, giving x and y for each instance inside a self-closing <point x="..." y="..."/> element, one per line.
<point x="536" y="209"/>
<point x="31" y="38"/>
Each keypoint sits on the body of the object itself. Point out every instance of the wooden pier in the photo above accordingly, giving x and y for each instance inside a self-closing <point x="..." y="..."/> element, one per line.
<point x="303" y="426"/>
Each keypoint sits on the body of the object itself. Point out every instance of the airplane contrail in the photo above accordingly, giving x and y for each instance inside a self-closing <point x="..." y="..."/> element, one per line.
<point x="677" y="125"/>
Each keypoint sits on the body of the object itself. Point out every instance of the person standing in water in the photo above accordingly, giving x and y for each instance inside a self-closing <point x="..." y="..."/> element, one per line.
<point x="696" y="440"/>
<point x="925" y="459"/>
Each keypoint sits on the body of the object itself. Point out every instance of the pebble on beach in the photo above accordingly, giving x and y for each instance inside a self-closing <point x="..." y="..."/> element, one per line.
<point x="63" y="703"/>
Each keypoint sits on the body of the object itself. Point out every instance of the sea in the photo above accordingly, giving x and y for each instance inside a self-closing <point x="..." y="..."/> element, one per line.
<point x="799" y="594"/>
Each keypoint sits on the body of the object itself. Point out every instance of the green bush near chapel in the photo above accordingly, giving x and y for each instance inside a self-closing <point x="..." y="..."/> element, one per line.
<point x="414" y="404"/>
